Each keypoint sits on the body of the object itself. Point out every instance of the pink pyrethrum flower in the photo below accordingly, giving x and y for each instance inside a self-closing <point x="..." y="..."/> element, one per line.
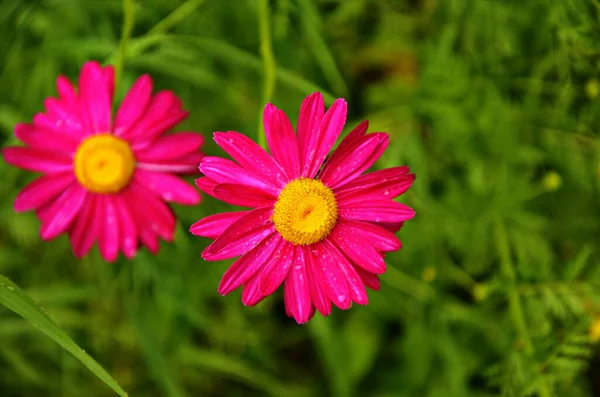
<point x="321" y="228"/>
<point x="106" y="179"/>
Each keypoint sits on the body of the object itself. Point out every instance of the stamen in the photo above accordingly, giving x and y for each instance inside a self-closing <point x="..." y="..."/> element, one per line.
<point x="305" y="212"/>
<point x="104" y="163"/>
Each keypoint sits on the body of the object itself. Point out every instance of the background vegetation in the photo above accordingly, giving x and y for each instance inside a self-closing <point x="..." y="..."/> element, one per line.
<point x="494" y="105"/>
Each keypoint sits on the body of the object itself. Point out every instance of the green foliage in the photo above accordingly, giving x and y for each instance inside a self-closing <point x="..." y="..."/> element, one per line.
<point x="15" y="299"/>
<point x="492" y="103"/>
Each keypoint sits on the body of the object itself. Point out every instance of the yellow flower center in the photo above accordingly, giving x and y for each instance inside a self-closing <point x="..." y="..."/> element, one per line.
<point x="104" y="163"/>
<point x="305" y="212"/>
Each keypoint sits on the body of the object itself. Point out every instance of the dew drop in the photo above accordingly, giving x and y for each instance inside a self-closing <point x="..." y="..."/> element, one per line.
<point x="11" y="288"/>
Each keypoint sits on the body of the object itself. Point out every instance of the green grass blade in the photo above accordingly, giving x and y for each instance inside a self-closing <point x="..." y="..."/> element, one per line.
<point x="229" y="53"/>
<point x="16" y="300"/>
<point x="221" y="364"/>
<point x="318" y="46"/>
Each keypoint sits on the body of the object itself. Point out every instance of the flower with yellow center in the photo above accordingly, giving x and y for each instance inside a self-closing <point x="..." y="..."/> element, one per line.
<point x="106" y="178"/>
<point x="317" y="224"/>
<point x="305" y="212"/>
<point x="104" y="163"/>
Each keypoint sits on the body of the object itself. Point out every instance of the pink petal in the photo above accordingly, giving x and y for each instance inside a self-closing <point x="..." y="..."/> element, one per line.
<point x="212" y="226"/>
<point x="377" y="185"/>
<point x="309" y="122"/>
<point x="296" y="293"/>
<point x="62" y="211"/>
<point x="108" y="240"/>
<point x="65" y="89"/>
<point x="167" y="187"/>
<point x="206" y="185"/>
<point x="348" y="163"/>
<point x="162" y="113"/>
<point x="62" y="119"/>
<point x="96" y="95"/>
<point x="245" y="196"/>
<point x="183" y="165"/>
<point x="242" y="235"/>
<point x="251" y="156"/>
<point x="148" y="236"/>
<point x="358" y="249"/>
<point x="42" y="212"/>
<point x="226" y="171"/>
<point x="127" y="228"/>
<point x="287" y="298"/>
<point x="329" y="276"/>
<point x="109" y="80"/>
<point x="152" y="215"/>
<point x="356" y="134"/>
<point x="376" y="211"/>
<point x="381" y="239"/>
<point x="319" y="297"/>
<point x="277" y="267"/>
<point x="248" y="264"/>
<point x="133" y="105"/>
<point x="369" y="279"/>
<point x="171" y="147"/>
<point x="390" y="227"/>
<point x="44" y="139"/>
<point x="355" y="284"/>
<point x="86" y="227"/>
<point x="282" y="140"/>
<point x="312" y="311"/>
<point x="251" y="293"/>
<point x="321" y="142"/>
<point x="37" y="160"/>
<point x="42" y="190"/>
<point x="152" y="132"/>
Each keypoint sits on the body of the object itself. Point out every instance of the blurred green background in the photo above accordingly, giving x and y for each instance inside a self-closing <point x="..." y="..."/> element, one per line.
<point x="492" y="103"/>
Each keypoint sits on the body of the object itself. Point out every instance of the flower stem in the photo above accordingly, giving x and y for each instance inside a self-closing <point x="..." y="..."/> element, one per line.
<point x="175" y="17"/>
<point x="268" y="60"/>
<point x="409" y="285"/>
<point x="514" y="300"/>
<point x="128" y="23"/>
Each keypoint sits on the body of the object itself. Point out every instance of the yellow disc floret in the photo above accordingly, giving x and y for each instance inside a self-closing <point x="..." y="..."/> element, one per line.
<point x="104" y="163"/>
<point x="305" y="212"/>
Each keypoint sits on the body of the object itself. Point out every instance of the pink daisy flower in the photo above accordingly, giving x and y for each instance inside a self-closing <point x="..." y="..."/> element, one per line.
<point x="106" y="179"/>
<point x="321" y="228"/>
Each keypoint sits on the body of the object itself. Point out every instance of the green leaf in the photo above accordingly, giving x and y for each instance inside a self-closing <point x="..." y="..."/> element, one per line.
<point x="16" y="300"/>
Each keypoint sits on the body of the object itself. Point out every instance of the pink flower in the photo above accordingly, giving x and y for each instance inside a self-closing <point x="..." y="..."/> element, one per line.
<point x="321" y="228"/>
<point x="106" y="179"/>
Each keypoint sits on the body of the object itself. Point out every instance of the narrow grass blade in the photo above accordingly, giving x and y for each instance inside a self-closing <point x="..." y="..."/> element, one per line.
<point x="221" y="364"/>
<point x="16" y="300"/>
